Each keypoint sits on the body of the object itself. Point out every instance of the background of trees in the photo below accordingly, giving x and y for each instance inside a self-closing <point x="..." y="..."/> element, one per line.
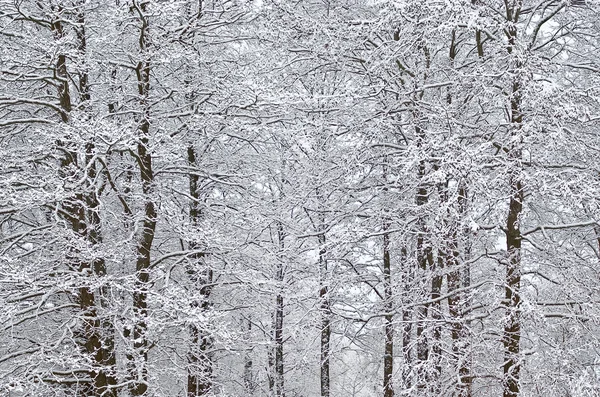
<point x="316" y="198"/>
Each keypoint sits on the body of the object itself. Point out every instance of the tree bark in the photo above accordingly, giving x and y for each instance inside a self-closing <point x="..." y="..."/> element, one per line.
<point x="388" y="356"/>
<point x="249" y="382"/>
<point x="424" y="257"/>
<point x="138" y="358"/>
<point x="512" y="299"/>
<point x="407" y="319"/>
<point x="451" y="257"/>
<point x="424" y="249"/>
<point x="279" y="384"/>
<point x="325" y="308"/>
<point x="456" y="302"/>
<point x="200" y="367"/>
<point x="81" y="212"/>
<point x="436" y="317"/>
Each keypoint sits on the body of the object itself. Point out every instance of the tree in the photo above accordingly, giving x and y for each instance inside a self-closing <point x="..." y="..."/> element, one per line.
<point x="317" y="198"/>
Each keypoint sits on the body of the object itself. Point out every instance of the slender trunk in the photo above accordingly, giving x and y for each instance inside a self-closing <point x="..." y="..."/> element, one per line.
<point x="436" y="290"/>
<point x="407" y="320"/>
<point x="424" y="257"/>
<point x="249" y="383"/>
<point x="200" y="367"/>
<point x="138" y="371"/>
<point x="512" y="299"/>
<point x="456" y="302"/>
<point x="451" y="257"/>
<point x="279" y="314"/>
<point x="388" y="356"/>
<point x="479" y="42"/>
<point x="271" y="367"/>
<point x="325" y="308"/>
<point x="436" y="317"/>
<point x="424" y="249"/>
<point x="200" y="359"/>
<point x="478" y="39"/>
<point x="597" y="230"/>
<point x="461" y="328"/>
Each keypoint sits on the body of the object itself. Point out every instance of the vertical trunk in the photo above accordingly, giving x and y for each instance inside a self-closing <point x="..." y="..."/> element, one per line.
<point x="478" y="39"/>
<point x="64" y="95"/>
<point x="424" y="256"/>
<point x="597" y="230"/>
<point x="436" y="317"/>
<point x="200" y="366"/>
<point x="279" y="314"/>
<point x="139" y="357"/>
<point x="479" y="43"/>
<point x="451" y="257"/>
<point x="424" y="249"/>
<point x="459" y="333"/>
<point x="249" y="383"/>
<point x="436" y="289"/>
<point x="512" y="300"/>
<point x="461" y="329"/>
<point x="388" y="356"/>
<point x="271" y="368"/>
<point x="82" y="213"/>
<point x="407" y="319"/>
<point x="101" y="332"/>
<point x="325" y="308"/>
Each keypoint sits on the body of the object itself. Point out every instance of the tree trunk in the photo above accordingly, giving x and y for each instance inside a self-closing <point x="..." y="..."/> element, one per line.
<point x="138" y="371"/>
<point x="424" y="257"/>
<point x="424" y="249"/>
<point x="388" y="356"/>
<point x="325" y="308"/>
<point x="279" y="315"/>
<point x="249" y="382"/>
<point x="407" y="319"/>
<point x="200" y="367"/>
<point x="458" y="331"/>
<point x="436" y="317"/>
<point x="456" y="302"/>
<point x="512" y="299"/>
<point x="98" y="336"/>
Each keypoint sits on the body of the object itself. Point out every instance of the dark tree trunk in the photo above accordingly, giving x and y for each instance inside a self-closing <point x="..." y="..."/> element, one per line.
<point x="451" y="259"/>
<point x="249" y="382"/>
<point x="200" y="367"/>
<point x="101" y="332"/>
<point x="424" y="258"/>
<point x="138" y="358"/>
<point x="81" y="212"/>
<point x="271" y="366"/>
<point x="388" y="356"/>
<point x="456" y="303"/>
<point x="424" y="249"/>
<point x="200" y="358"/>
<point x="325" y="308"/>
<point x="279" y="315"/>
<point x="436" y="317"/>
<point x="512" y="299"/>
<point x="407" y="319"/>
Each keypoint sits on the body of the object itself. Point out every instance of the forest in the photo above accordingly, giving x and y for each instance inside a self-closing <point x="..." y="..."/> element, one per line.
<point x="309" y="198"/>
